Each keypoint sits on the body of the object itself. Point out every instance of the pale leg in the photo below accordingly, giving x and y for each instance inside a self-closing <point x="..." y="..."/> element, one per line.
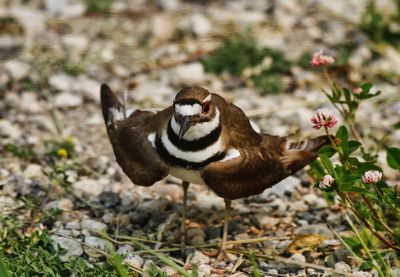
<point x="185" y="186"/>
<point x="225" y="230"/>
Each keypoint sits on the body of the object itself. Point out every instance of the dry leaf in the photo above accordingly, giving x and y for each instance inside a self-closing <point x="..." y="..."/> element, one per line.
<point x="305" y="242"/>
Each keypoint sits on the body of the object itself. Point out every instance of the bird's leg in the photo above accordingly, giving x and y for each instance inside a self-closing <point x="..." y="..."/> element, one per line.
<point x="222" y="253"/>
<point x="185" y="186"/>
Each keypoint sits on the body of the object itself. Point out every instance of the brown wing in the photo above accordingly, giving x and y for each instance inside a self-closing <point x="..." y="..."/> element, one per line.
<point x="264" y="159"/>
<point x="129" y="138"/>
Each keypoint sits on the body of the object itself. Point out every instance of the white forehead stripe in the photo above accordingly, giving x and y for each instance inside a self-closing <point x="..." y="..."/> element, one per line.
<point x="198" y="130"/>
<point x="186" y="109"/>
<point x="208" y="98"/>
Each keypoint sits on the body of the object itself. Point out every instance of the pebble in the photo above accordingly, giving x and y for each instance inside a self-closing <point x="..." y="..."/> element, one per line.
<point x="89" y="88"/>
<point x="268" y="222"/>
<point x="200" y="258"/>
<point x="73" y="225"/>
<point x="61" y="82"/>
<point x="169" y="5"/>
<point x="329" y="243"/>
<point x="125" y="249"/>
<point x="162" y="28"/>
<point x="367" y="274"/>
<point x="172" y="191"/>
<point x="109" y="199"/>
<point x="140" y="219"/>
<point x="155" y="205"/>
<point x="298" y="259"/>
<point x="94" y="242"/>
<point x="63" y="204"/>
<point x="134" y="260"/>
<point x="315" y="201"/>
<point x="29" y="103"/>
<point x="204" y="269"/>
<point x="73" y="247"/>
<point x="93" y="226"/>
<point x="188" y="75"/>
<point x="320" y="229"/>
<point x="17" y="69"/>
<point x="342" y="267"/>
<point x="77" y="44"/>
<point x="88" y="187"/>
<point x="290" y="184"/>
<point x="197" y="23"/>
<point x="9" y="130"/>
<point x="68" y="100"/>
<point x="33" y="171"/>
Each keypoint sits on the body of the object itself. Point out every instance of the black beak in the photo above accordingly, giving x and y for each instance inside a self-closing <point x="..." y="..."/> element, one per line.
<point x="185" y="124"/>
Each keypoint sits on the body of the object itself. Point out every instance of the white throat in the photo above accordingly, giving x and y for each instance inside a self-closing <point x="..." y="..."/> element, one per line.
<point x="198" y="130"/>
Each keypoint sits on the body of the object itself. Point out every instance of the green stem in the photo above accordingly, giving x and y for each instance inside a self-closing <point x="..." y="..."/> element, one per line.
<point x="360" y="239"/>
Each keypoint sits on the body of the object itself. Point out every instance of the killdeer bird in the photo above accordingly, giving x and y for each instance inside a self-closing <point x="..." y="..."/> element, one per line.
<point x="201" y="138"/>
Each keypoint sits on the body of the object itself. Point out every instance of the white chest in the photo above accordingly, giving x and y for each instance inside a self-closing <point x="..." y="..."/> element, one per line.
<point x="191" y="176"/>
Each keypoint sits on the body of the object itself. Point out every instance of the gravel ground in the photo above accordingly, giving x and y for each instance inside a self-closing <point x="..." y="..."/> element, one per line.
<point x="54" y="56"/>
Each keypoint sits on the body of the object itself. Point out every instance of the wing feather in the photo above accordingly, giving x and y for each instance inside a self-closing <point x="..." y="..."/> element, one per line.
<point x="129" y="138"/>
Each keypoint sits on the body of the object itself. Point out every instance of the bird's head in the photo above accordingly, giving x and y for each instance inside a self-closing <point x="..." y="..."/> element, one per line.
<point x="193" y="106"/>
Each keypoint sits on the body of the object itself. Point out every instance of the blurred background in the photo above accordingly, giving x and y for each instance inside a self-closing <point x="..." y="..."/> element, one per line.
<point x="54" y="54"/>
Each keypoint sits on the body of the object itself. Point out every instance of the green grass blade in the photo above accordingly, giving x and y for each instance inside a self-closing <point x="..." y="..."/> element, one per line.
<point x="3" y="268"/>
<point x="252" y="258"/>
<point x="162" y="258"/>
<point x="116" y="261"/>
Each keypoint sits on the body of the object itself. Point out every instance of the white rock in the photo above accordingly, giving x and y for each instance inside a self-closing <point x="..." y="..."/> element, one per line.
<point x="88" y="87"/>
<point x="73" y="248"/>
<point x="200" y="258"/>
<point x="17" y="69"/>
<point x="33" y="171"/>
<point x="298" y="259"/>
<point x="290" y="184"/>
<point x="76" y="44"/>
<point x="94" y="242"/>
<point x="68" y="100"/>
<point x="33" y="21"/>
<point x="313" y="200"/>
<point x="9" y="130"/>
<point x="169" y="5"/>
<point x="360" y="56"/>
<point x="329" y="242"/>
<point x="134" y="260"/>
<point x="125" y="249"/>
<point x="365" y="274"/>
<point x="342" y="267"/>
<point x="197" y="24"/>
<point x="63" y="204"/>
<point x="89" y="187"/>
<point x="155" y="91"/>
<point x="162" y="28"/>
<point x="64" y="8"/>
<point x="61" y="81"/>
<point x="188" y="74"/>
<point x="204" y="270"/>
<point x="29" y="103"/>
<point x="207" y="200"/>
<point x="93" y="226"/>
<point x="6" y="203"/>
<point x="268" y="222"/>
<point x="73" y="225"/>
<point x="320" y="229"/>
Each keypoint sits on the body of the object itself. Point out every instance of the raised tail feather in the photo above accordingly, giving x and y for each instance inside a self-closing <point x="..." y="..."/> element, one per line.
<point x="298" y="154"/>
<point x="111" y="107"/>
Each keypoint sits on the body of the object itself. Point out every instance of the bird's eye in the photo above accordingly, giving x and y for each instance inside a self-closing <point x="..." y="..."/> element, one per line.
<point x="206" y="107"/>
